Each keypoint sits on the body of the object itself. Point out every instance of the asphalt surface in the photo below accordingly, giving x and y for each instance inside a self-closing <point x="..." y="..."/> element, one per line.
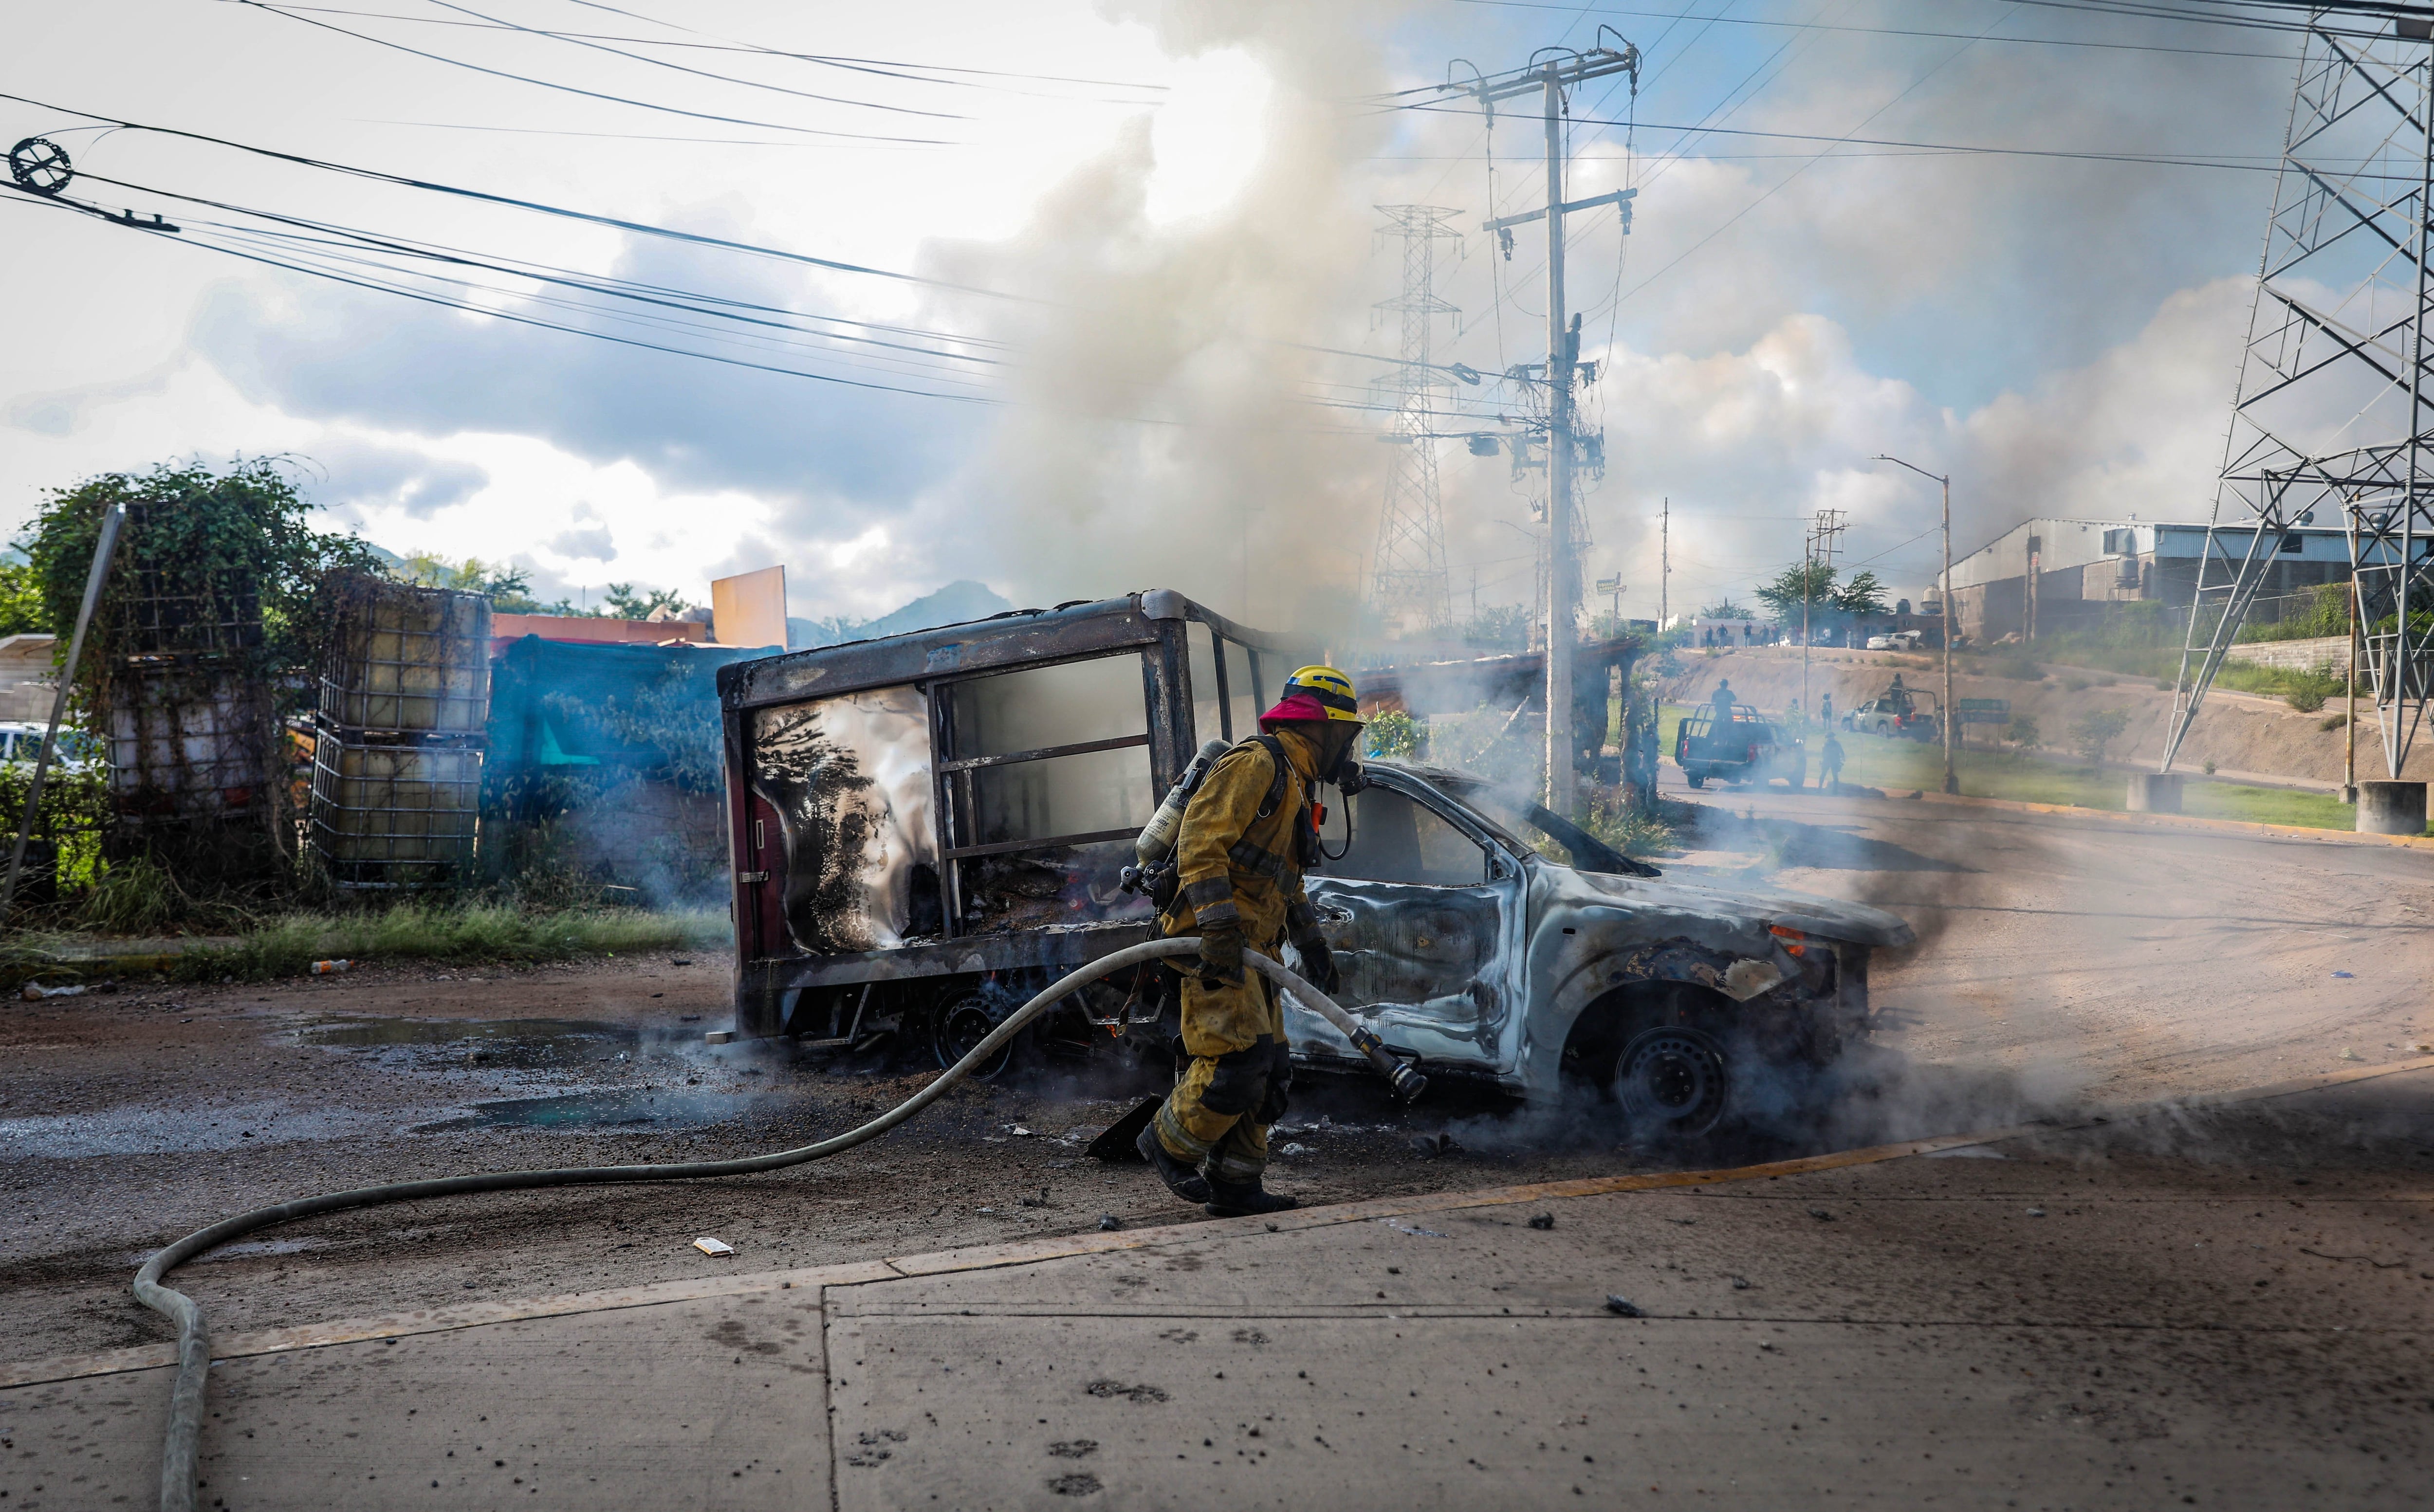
<point x="2215" y="1307"/>
<point x="2064" y="964"/>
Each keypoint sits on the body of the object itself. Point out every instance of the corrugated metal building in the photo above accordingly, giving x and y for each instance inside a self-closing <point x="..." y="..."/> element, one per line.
<point x="2048" y="575"/>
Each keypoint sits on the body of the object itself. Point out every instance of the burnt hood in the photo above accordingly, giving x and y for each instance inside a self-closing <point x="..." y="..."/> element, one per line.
<point x="1826" y="918"/>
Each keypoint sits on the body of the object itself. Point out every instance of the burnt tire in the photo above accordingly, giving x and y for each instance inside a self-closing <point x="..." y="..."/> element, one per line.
<point x="1673" y="1082"/>
<point x="960" y="1024"/>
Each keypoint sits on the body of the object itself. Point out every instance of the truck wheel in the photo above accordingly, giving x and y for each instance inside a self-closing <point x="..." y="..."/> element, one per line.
<point x="1671" y="1082"/>
<point x="957" y="1026"/>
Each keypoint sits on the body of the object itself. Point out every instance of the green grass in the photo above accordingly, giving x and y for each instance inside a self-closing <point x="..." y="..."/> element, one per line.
<point x="1905" y="766"/>
<point x="288" y="945"/>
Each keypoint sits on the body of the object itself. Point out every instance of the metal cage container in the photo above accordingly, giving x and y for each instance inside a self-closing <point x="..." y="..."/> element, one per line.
<point x="407" y="658"/>
<point x="395" y="815"/>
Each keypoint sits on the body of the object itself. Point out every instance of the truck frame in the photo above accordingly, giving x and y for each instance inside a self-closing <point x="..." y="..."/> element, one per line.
<point x="928" y="827"/>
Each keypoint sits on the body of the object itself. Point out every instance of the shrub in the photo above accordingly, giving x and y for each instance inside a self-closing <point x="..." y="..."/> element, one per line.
<point x="2335" y="723"/>
<point x="1396" y="737"/>
<point x="2022" y="731"/>
<point x="2209" y="766"/>
<point x="2096" y="729"/>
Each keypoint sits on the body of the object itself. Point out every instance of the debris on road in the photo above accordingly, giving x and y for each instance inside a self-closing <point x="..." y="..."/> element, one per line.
<point x="713" y="1247"/>
<point x="1109" y="1223"/>
<point x="2036" y="1213"/>
<point x="36" y="992"/>
<point x="2347" y="976"/>
<point x="1623" y="1306"/>
<point x="331" y="968"/>
<point x="1542" y="1220"/>
<point x="719" y="1037"/>
<point x="1820" y="1215"/>
<point x="1435" y="1147"/>
<point x="1295" y="1148"/>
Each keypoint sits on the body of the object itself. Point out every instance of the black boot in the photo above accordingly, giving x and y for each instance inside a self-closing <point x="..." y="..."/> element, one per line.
<point x="1228" y="1200"/>
<point x="1180" y="1179"/>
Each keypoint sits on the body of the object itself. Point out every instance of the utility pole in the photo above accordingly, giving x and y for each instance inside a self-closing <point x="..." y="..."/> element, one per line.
<point x="1951" y="774"/>
<point x="1817" y="549"/>
<point x="1664" y="560"/>
<point x="1562" y="69"/>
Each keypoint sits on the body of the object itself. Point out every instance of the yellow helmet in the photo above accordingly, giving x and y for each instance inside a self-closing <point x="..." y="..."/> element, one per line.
<point x="1329" y="689"/>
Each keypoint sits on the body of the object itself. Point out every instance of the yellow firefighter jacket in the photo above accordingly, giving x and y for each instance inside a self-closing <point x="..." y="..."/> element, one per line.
<point x="1230" y="862"/>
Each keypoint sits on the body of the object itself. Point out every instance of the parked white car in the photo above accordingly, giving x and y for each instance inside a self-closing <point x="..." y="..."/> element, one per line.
<point x="1898" y="641"/>
<point x="22" y="741"/>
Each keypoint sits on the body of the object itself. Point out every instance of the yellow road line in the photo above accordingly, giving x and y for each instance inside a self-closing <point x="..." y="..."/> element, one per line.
<point x="997" y="1256"/>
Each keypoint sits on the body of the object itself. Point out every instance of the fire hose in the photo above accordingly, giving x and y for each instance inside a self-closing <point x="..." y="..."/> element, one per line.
<point x="178" y="1453"/>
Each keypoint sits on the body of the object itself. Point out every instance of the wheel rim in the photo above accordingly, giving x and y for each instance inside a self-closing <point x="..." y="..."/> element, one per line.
<point x="1673" y="1081"/>
<point x="958" y="1028"/>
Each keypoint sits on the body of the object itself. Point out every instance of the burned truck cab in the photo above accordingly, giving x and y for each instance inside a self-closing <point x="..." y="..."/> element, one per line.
<point x="923" y="823"/>
<point x="929" y="829"/>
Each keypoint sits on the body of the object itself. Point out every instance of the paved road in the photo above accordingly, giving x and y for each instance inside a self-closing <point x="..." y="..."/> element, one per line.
<point x="2219" y="1308"/>
<point x="2098" y="958"/>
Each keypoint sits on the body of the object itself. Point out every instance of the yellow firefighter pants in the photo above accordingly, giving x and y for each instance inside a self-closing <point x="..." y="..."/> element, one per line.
<point x="1217" y="1117"/>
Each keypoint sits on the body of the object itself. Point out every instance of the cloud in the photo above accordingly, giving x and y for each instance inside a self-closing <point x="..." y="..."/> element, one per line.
<point x="592" y="545"/>
<point x="337" y="353"/>
<point x="358" y="478"/>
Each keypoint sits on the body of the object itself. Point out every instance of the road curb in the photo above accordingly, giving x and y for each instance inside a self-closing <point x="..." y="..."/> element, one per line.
<point x="813" y="1280"/>
<point x="2236" y="826"/>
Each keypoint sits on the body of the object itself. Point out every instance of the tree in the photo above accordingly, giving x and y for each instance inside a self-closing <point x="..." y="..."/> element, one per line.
<point x="1863" y="594"/>
<point x="630" y="604"/>
<point x="2096" y="729"/>
<point x="1499" y="627"/>
<point x="1812" y="583"/>
<point x="1725" y="608"/>
<point x="21" y="599"/>
<point x="508" y="588"/>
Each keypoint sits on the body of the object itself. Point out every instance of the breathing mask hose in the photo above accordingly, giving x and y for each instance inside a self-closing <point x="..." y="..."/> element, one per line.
<point x="178" y="1454"/>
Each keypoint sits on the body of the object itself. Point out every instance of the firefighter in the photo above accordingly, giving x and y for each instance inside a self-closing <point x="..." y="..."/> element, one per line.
<point x="1247" y="834"/>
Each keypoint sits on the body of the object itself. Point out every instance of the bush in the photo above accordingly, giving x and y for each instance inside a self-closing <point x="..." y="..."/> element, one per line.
<point x="2335" y="723"/>
<point x="2022" y="731"/>
<point x="2306" y="700"/>
<point x="1395" y="737"/>
<point x="2096" y="729"/>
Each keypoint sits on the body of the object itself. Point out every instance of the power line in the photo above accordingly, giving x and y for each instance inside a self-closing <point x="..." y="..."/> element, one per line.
<point x="570" y="89"/>
<point x="878" y="67"/>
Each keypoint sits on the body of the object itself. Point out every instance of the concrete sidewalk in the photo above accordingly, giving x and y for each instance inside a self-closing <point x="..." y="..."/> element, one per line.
<point x="2220" y="1306"/>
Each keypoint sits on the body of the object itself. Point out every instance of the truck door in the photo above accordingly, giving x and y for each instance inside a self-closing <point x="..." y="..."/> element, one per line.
<point x="1419" y="914"/>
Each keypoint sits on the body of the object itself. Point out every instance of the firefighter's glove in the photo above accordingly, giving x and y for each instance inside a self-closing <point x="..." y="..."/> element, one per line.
<point x="1221" y="954"/>
<point x="1319" y="962"/>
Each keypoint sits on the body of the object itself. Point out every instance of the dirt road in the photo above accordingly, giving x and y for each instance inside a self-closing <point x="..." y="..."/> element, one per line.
<point x="2061" y="958"/>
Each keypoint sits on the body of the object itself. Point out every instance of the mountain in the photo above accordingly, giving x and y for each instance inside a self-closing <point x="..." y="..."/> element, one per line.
<point x="953" y="605"/>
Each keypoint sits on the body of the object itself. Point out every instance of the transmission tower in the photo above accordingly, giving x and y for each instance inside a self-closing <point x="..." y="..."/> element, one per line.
<point x="2330" y="420"/>
<point x="1408" y="589"/>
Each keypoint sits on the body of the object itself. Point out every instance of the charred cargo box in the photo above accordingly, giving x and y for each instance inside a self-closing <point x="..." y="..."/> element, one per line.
<point x="927" y="828"/>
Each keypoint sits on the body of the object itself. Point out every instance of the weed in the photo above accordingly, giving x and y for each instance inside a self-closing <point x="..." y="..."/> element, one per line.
<point x="287" y="945"/>
<point x="2335" y="723"/>
<point x="2209" y="766"/>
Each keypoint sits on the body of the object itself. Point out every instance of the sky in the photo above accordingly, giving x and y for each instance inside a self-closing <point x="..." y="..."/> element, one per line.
<point x="1119" y="265"/>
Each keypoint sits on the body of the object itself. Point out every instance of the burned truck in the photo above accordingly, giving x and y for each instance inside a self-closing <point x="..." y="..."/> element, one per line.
<point x="927" y="828"/>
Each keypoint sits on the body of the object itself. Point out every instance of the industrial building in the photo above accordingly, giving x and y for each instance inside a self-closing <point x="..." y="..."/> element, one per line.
<point x="2045" y="576"/>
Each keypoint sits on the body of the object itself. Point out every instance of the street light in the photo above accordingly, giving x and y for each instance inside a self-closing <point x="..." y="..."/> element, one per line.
<point x="1951" y="779"/>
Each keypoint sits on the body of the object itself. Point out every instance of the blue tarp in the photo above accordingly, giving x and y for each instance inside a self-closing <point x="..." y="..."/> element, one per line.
<point x="557" y="707"/>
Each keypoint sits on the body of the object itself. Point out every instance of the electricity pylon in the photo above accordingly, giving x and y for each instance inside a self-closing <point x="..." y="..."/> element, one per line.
<point x="1407" y="583"/>
<point x="2330" y="418"/>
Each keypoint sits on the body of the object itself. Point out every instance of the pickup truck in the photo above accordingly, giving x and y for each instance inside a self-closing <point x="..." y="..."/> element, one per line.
<point x="1747" y="748"/>
<point x="926" y="828"/>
